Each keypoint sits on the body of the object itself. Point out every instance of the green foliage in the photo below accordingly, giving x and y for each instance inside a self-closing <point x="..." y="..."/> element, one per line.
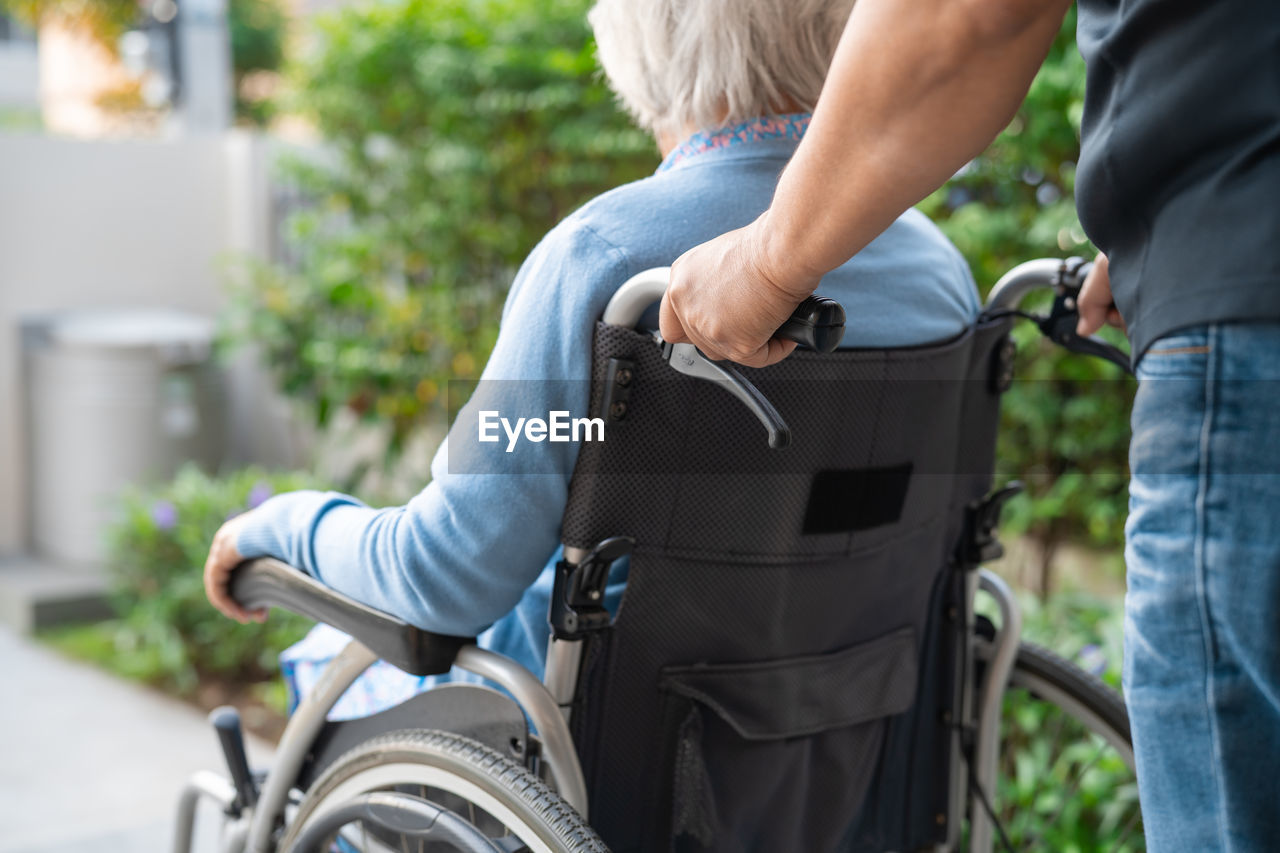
<point x="1064" y="789"/>
<point x="258" y="29"/>
<point x="1065" y="427"/>
<point x="460" y="131"/>
<point x="167" y="633"/>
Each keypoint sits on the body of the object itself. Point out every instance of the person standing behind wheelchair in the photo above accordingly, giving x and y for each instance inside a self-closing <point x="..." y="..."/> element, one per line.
<point x="474" y="552"/>
<point x="1179" y="185"/>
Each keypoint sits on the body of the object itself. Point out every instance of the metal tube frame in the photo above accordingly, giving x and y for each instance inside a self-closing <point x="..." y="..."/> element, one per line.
<point x="299" y="735"/>
<point x="253" y="828"/>
<point x="1007" y="294"/>
<point x="564" y="657"/>
<point x="1023" y="279"/>
<point x="564" y="661"/>
<point x="958" y="801"/>
<point x="533" y="697"/>
<point x="636" y="296"/>
<point x="642" y="290"/>
<point x="986" y="747"/>
<point x="205" y="784"/>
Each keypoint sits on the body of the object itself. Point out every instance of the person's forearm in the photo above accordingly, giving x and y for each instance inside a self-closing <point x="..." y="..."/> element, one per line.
<point x="915" y="91"/>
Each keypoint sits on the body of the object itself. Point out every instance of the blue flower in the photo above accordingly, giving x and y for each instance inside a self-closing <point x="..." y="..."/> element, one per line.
<point x="164" y="514"/>
<point x="259" y="493"/>
<point x="1092" y="659"/>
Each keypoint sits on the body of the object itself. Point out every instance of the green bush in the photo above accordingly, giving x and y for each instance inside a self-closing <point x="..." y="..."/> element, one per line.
<point x="459" y="132"/>
<point x="257" y="29"/>
<point x="167" y="633"/>
<point x="1065" y="426"/>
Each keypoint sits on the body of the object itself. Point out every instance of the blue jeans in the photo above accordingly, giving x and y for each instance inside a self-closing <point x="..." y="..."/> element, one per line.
<point x="1202" y="613"/>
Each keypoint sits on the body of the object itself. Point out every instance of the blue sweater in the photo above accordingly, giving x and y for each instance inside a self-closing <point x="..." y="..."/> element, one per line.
<point x="475" y="550"/>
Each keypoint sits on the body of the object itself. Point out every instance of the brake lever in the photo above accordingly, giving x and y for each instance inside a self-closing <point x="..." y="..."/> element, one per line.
<point x="687" y="359"/>
<point x="1060" y="325"/>
<point x="1062" y="331"/>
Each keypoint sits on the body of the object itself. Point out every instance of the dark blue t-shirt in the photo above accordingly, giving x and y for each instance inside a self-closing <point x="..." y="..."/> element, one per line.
<point x="1179" y="174"/>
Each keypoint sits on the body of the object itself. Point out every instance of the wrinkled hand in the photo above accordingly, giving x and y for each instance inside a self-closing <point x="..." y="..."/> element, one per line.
<point x="727" y="300"/>
<point x="223" y="557"/>
<point x="1095" y="303"/>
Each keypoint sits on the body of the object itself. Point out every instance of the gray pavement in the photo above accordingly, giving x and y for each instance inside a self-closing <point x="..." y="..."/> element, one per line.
<point x="92" y="763"/>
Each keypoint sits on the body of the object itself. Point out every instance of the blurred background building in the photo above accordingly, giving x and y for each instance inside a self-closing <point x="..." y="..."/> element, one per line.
<point x="133" y="162"/>
<point x="19" y="69"/>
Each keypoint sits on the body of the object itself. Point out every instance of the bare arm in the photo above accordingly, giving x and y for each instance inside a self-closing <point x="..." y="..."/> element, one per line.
<point x="916" y="90"/>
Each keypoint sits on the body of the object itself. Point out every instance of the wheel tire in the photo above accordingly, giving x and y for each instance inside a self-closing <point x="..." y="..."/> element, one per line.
<point x="542" y="811"/>
<point x="1039" y="670"/>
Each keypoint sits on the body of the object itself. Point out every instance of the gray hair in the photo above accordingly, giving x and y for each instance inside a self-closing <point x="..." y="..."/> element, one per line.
<point x="704" y="63"/>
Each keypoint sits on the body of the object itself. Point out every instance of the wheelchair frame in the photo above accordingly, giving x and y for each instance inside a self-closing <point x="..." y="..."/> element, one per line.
<point x="547" y="703"/>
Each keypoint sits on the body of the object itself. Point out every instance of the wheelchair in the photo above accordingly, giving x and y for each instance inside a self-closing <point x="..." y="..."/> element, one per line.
<point x="798" y="662"/>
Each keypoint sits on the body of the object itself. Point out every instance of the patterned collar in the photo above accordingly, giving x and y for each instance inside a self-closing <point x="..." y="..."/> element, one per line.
<point x="790" y="126"/>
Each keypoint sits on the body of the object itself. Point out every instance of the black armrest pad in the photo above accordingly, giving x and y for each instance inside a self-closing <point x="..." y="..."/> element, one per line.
<point x="271" y="583"/>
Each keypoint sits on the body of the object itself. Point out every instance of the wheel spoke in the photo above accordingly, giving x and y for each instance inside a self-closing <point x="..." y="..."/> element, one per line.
<point x="422" y="844"/>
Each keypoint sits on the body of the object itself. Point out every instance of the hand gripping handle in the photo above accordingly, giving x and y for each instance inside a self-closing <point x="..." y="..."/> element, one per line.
<point x="817" y="323"/>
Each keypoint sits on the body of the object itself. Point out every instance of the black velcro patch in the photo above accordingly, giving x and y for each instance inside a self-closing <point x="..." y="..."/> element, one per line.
<point x="841" y="501"/>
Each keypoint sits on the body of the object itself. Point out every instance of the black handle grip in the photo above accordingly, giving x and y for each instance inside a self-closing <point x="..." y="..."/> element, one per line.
<point x="816" y="324"/>
<point x="226" y="722"/>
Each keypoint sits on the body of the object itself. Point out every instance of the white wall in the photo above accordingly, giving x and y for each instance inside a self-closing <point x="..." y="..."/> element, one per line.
<point x="19" y="75"/>
<point x="125" y="224"/>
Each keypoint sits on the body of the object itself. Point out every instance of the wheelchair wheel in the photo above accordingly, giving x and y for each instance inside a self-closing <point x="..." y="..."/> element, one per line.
<point x="1066" y="778"/>
<point x="510" y="809"/>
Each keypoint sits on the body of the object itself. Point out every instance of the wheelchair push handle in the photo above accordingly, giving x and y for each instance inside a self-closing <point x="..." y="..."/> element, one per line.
<point x="817" y="323"/>
<point x="1066" y="278"/>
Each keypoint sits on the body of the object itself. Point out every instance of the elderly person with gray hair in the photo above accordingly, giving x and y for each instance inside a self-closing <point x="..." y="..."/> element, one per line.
<point x="724" y="86"/>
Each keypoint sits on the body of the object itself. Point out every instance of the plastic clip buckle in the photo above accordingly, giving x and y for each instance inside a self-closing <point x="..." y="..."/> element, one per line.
<point x="980" y="543"/>
<point x="577" y="596"/>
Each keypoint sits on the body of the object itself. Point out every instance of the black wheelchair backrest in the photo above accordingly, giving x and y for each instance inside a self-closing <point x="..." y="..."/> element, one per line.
<point x="780" y="671"/>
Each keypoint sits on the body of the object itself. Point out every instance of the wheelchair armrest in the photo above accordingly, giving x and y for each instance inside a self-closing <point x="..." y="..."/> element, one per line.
<point x="266" y="582"/>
